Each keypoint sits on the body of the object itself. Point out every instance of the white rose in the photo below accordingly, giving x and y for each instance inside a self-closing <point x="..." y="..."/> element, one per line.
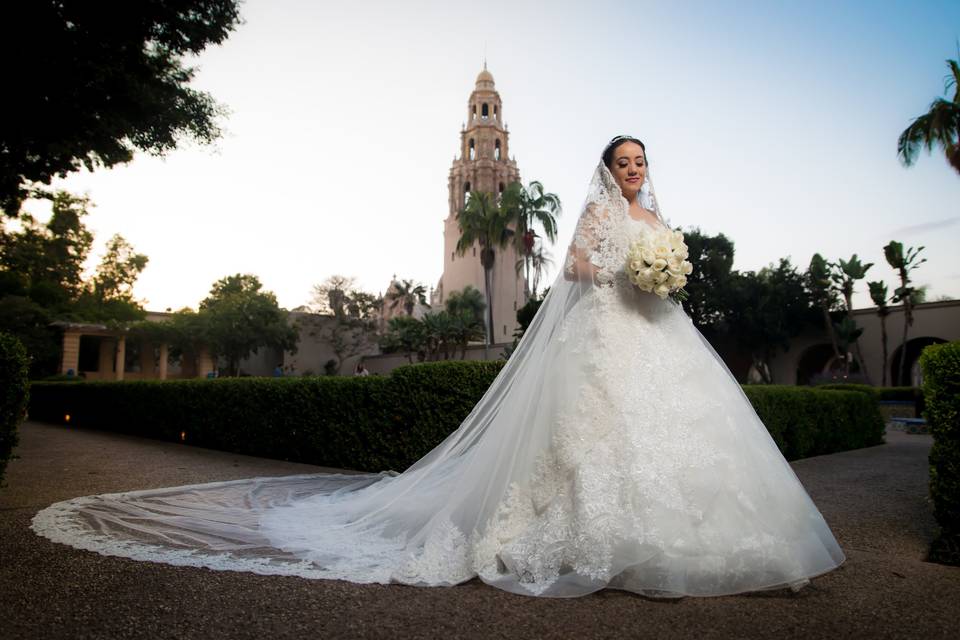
<point x="687" y="268"/>
<point x="682" y="253"/>
<point x="680" y="282"/>
<point x="661" y="277"/>
<point x="659" y="264"/>
<point x="675" y="264"/>
<point x="661" y="250"/>
<point x="662" y="290"/>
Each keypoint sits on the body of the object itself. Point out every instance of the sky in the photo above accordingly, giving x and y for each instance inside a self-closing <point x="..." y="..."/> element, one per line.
<point x="774" y="123"/>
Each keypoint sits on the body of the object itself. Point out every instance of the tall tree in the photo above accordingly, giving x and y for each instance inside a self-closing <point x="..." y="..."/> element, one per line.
<point x="939" y="126"/>
<point x="241" y="317"/>
<point x="96" y="81"/>
<point x="707" y="286"/>
<point x="407" y="335"/>
<point x="466" y="309"/>
<point x="356" y="315"/>
<point x="118" y="270"/>
<point x="823" y="297"/>
<point x="407" y="295"/>
<point x="904" y="262"/>
<point x="483" y="222"/>
<point x="540" y="260"/>
<point x="770" y="307"/>
<point x="333" y="295"/>
<point x="529" y="206"/>
<point x="878" y="293"/>
<point x="845" y="275"/>
<point x="48" y="259"/>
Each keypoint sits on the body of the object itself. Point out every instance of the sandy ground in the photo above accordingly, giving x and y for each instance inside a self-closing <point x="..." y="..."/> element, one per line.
<point x="874" y="499"/>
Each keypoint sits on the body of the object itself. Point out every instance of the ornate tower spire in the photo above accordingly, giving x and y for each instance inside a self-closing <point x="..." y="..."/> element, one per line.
<point x="484" y="164"/>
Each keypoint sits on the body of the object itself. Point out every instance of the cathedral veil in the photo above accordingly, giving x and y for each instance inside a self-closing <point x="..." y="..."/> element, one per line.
<point x="532" y="492"/>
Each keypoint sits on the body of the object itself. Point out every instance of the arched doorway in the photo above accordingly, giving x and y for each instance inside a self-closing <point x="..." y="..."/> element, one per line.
<point x="913" y="375"/>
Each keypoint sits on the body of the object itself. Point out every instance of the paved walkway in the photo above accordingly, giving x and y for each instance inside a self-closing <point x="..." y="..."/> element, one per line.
<point x="874" y="499"/>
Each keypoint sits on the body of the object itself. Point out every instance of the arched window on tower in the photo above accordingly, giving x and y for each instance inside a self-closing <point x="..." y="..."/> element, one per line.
<point x="474" y="112"/>
<point x="500" y="188"/>
<point x="485" y="111"/>
<point x="496" y="151"/>
<point x="494" y="112"/>
<point x="466" y="187"/>
<point x="473" y="150"/>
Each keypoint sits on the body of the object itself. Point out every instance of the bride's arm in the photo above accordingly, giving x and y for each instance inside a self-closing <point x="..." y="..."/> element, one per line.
<point x="582" y="264"/>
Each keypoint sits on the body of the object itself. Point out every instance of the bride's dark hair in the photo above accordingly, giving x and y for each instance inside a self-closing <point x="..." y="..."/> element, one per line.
<point x="616" y="142"/>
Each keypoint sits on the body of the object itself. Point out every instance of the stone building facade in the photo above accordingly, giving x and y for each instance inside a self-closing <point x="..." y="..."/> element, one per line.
<point x="484" y="164"/>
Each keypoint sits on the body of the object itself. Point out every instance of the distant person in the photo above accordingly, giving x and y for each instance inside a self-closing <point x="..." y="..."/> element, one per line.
<point x="361" y="370"/>
<point x="278" y="371"/>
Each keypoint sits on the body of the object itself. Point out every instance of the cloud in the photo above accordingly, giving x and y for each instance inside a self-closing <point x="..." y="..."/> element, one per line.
<point x="916" y="229"/>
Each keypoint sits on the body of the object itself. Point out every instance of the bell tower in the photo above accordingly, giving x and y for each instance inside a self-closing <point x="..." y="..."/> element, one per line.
<point x="484" y="164"/>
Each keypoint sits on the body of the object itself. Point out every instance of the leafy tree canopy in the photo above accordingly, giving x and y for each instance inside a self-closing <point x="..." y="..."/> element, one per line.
<point x="239" y="318"/>
<point x="712" y="260"/>
<point x="95" y="81"/>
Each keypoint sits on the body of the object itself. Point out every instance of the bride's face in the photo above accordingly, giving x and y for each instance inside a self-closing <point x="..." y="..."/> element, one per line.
<point x="629" y="168"/>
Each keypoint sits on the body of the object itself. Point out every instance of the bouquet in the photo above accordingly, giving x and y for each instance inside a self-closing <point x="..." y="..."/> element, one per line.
<point x="657" y="263"/>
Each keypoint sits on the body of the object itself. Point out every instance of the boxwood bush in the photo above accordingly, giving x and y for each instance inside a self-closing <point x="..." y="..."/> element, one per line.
<point x="806" y="421"/>
<point x="13" y="395"/>
<point x="941" y="386"/>
<point x="885" y="394"/>
<point x="375" y="423"/>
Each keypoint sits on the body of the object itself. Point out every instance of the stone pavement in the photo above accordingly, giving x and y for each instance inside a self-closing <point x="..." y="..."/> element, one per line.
<point x="875" y="500"/>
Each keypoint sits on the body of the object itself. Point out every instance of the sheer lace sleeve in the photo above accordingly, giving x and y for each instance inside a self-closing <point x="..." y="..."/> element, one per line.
<point x="583" y="260"/>
<point x="595" y="254"/>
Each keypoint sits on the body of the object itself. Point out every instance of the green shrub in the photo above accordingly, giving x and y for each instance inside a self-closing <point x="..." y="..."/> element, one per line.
<point x="13" y="394"/>
<point x="367" y="423"/>
<point x="383" y="422"/>
<point x="885" y="394"/>
<point x="941" y="386"/>
<point x="807" y="421"/>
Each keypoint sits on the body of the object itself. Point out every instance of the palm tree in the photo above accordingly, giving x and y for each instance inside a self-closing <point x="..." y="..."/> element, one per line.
<point x="538" y="262"/>
<point x="845" y="275"/>
<point x="485" y="223"/>
<point x="824" y="297"/>
<point x="441" y="333"/>
<point x="878" y="293"/>
<point x="466" y="309"/>
<point x="528" y="206"/>
<point x="407" y="295"/>
<point x="904" y="262"/>
<point x="939" y="126"/>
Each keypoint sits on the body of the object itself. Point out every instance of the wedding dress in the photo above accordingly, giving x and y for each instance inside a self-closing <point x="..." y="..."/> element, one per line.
<point x="614" y="449"/>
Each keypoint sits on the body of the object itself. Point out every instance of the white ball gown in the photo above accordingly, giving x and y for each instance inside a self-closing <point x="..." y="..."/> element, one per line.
<point x="614" y="449"/>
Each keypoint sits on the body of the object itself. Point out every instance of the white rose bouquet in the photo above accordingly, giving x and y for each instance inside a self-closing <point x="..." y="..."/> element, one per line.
<point x="657" y="263"/>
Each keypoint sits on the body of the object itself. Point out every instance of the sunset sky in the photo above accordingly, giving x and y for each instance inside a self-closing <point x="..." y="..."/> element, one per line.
<point x="775" y="123"/>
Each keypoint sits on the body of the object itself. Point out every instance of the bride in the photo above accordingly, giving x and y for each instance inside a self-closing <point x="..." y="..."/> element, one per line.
<point x="614" y="449"/>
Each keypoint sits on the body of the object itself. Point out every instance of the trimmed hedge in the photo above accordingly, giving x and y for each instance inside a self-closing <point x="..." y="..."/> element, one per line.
<point x="13" y="395"/>
<point x="366" y="423"/>
<point x="375" y="423"/>
<point x="806" y="421"/>
<point x="941" y="386"/>
<point x="885" y="394"/>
